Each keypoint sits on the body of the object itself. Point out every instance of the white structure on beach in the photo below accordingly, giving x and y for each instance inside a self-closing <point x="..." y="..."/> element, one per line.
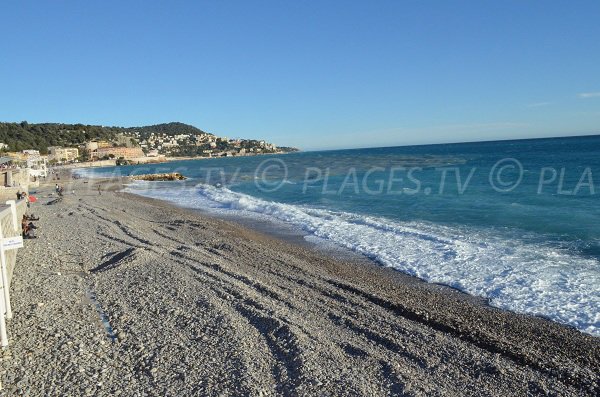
<point x="38" y="166"/>
<point x="36" y="163"/>
<point x="10" y="234"/>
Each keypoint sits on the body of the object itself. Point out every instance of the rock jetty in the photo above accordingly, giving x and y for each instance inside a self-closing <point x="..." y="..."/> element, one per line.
<point x="174" y="176"/>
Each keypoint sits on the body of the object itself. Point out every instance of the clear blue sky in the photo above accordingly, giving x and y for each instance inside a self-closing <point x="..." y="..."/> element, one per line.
<point x="326" y="74"/>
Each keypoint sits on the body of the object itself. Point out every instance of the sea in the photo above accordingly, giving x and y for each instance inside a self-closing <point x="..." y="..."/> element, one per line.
<point x="515" y="222"/>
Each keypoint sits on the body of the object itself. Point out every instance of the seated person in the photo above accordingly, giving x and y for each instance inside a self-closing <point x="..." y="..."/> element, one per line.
<point x="28" y="228"/>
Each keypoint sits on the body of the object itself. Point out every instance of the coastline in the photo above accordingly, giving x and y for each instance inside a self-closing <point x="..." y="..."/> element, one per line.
<point x="154" y="160"/>
<point x="181" y="288"/>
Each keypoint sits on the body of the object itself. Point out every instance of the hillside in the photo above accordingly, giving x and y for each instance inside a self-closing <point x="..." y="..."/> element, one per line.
<point x="21" y="136"/>
<point x="174" y="128"/>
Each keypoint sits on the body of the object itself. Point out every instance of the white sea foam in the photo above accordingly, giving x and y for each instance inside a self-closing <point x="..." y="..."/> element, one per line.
<point x="531" y="278"/>
<point x="97" y="172"/>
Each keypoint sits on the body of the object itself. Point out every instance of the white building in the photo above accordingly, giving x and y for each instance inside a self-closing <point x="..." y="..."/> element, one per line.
<point x="38" y="165"/>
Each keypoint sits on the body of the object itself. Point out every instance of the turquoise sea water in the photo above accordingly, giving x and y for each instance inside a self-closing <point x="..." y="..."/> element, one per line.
<point x="517" y="222"/>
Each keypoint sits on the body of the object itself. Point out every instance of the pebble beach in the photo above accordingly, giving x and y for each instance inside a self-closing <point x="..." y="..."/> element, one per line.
<point x="122" y="295"/>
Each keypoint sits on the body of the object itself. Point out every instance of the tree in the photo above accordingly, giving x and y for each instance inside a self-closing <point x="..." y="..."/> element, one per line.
<point x="84" y="156"/>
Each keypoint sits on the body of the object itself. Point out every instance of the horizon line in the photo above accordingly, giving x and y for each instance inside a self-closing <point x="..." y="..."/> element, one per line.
<point x="458" y="142"/>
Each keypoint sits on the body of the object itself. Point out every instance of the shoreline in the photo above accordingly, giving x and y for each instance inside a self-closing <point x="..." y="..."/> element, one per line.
<point x="296" y="235"/>
<point x="204" y="305"/>
<point x="154" y="161"/>
<point x="279" y="231"/>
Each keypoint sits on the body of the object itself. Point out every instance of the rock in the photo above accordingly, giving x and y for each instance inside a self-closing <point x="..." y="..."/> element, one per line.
<point x="174" y="176"/>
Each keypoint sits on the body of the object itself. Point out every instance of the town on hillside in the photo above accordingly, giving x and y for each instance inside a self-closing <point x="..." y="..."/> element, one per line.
<point x="28" y="150"/>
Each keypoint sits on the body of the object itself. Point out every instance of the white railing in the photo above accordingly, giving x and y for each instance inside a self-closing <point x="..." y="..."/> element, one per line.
<point x="10" y="240"/>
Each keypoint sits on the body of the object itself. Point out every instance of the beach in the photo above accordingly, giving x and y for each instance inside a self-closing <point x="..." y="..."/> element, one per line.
<point x="123" y="295"/>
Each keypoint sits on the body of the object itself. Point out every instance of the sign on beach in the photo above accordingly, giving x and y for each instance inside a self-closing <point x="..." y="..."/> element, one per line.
<point x="10" y="243"/>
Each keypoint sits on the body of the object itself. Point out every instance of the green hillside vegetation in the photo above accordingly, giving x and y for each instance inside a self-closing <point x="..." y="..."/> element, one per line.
<point x="174" y="128"/>
<point x="21" y="136"/>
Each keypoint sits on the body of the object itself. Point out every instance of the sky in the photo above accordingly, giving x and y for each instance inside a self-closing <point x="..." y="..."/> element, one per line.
<point x="315" y="75"/>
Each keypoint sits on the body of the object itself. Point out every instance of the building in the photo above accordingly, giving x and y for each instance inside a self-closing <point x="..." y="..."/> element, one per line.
<point x="62" y="154"/>
<point x="117" y="152"/>
<point x="37" y="164"/>
<point x="93" y="145"/>
<point x="13" y="178"/>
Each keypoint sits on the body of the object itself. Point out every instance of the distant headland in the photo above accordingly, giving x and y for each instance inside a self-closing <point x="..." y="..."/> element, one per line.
<point x="68" y="143"/>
